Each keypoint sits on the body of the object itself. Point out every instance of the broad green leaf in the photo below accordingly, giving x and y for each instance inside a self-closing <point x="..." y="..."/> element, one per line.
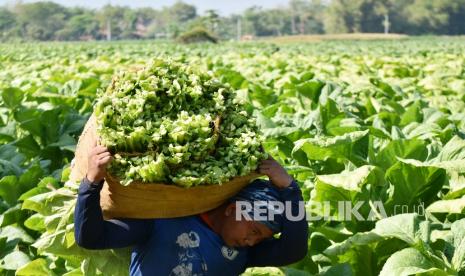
<point x="10" y="154"/>
<point x="310" y="89"/>
<point x="279" y="131"/>
<point x="15" y="233"/>
<point x="37" y="203"/>
<point x="12" y="215"/>
<point x="89" y="87"/>
<point x="35" y="222"/>
<point x="410" y="261"/>
<point x="451" y="206"/>
<point x="75" y="272"/>
<point x="338" y="269"/>
<point x="51" y="129"/>
<point x="263" y="271"/>
<point x="350" y="146"/>
<point x="30" y="178"/>
<point x="12" y="97"/>
<point x="263" y="121"/>
<point x="412" y="114"/>
<point x="452" y="156"/>
<point x="406" y="227"/>
<point x="353" y="180"/>
<point x="413" y="183"/>
<point x="37" y="267"/>
<point x="458" y="232"/>
<point x="14" y="260"/>
<point x="408" y="149"/>
<point x="363" y="238"/>
<point x="361" y="260"/>
<point x="422" y="131"/>
<point x="342" y="125"/>
<point x="348" y="186"/>
<point x="9" y="189"/>
<point x="28" y="145"/>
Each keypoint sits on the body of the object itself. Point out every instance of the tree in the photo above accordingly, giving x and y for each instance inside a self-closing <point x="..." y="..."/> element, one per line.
<point x="41" y="20"/>
<point x="256" y="22"/>
<point x="335" y="18"/>
<point x="80" y="26"/>
<point x="212" y="19"/>
<point x="8" y="24"/>
<point x="117" y="22"/>
<point x="182" y="12"/>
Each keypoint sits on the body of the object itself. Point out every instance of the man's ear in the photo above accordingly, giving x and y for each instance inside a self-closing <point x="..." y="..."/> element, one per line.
<point x="230" y="209"/>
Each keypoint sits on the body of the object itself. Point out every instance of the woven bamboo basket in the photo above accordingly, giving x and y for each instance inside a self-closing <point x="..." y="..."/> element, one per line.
<point x="151" y="200"/>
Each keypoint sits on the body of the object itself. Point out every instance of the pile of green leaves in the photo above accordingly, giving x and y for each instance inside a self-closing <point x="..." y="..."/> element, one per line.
<point x="171" y="123"/>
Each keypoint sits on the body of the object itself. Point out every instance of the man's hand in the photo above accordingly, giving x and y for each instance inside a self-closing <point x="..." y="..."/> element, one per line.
<point x="275" y="172"/>
<point x="99" y="157"/>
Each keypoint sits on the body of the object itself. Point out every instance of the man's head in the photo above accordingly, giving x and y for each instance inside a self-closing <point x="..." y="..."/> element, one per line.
<point x="240" y="225"/>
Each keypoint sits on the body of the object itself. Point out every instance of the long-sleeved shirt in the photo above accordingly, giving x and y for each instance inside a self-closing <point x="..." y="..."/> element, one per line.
<point x="187" y="245"/>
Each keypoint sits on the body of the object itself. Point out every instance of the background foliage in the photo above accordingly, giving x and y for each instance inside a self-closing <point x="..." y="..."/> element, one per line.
<point x="50" y="21"/>
<point x="352" y="121"/>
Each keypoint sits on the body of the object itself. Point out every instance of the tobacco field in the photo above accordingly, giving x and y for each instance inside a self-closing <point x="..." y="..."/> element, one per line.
<point x="376" y="125"/>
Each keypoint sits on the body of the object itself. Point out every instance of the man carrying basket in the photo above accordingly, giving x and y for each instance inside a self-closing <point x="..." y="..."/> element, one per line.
<point x="222" y="241"/>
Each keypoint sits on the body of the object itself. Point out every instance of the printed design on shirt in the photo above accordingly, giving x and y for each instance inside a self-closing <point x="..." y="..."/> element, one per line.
<point x="191" y="262"/>
<point x="229" y="253"/>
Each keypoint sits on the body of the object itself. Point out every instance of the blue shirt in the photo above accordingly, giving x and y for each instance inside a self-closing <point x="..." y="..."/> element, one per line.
<point x="183" y="246"/>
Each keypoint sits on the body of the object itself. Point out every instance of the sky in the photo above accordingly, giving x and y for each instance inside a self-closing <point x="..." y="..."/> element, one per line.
<point x="223" y="7"/>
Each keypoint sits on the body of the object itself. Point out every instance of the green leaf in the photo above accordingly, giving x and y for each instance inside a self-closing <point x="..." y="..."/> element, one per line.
<point x="353" y="180"/>
<point x="338" y="270"/>
<point x="8" y="132"/>
<point x="35" y="222"/>
<point x="9" y="189"/>
<point x="342" y="125"/>
<point x="37" y="203"/>
<point x="74" y="272"/>
<point x="412" y="114"/>
<point x="451" y="206"/>
<point x="348" y="186"/>
<point x="12" y="97"/>
<point x="452" y="156"/>
<point x="263" y="271"/>
<point x="30" y="178"/>
<point x="263" y="121"/>
<point x="28" y="145"/>
<point x="361" y="260"/>
<point x="363" y="238"/>
<point x="310" y="89"/>
<point x="12" y="215"/>
<point x="408" y="149"/>
<point x="14" y="233"/>
<point x="89" y="87"/>
<point x="33" y="126"/>
<point x="350" y="146"/>
<point x="413" y="183"/>
<point x="14" y="260"/>
<point x="38" y="267"/>
<point x="409" y="261"/>
<point x="406" y="227"/>
<point x="50" y="119"/>
<point x="458" y="231"/>
<point x="9" y="152"/>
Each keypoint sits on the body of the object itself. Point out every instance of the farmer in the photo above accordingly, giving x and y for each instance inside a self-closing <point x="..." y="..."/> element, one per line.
<point x="217" y="242"/>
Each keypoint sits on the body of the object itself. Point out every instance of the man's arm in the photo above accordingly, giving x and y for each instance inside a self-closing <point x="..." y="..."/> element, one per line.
<point x="91" y="231"/>
<point x="291" y="246"/>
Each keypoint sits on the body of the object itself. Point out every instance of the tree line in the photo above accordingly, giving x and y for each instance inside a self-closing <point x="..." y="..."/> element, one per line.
<point x="50" y="21"/>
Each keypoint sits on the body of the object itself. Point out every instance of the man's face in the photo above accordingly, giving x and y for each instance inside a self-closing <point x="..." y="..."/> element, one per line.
<point x="242" y="233"/>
